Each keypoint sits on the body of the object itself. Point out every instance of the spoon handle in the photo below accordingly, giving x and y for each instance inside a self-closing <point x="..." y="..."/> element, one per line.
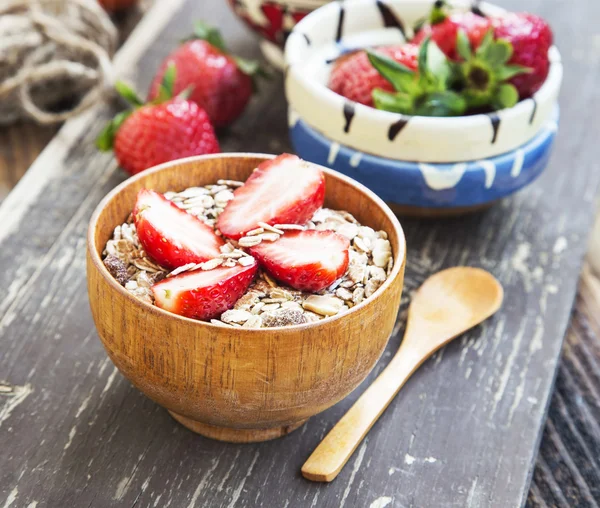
<point x="333" y="452"/>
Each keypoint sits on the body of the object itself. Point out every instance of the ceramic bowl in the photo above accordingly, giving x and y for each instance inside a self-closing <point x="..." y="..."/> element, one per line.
<point x="423" y="188"/>
<point x="238" y="384"/>
<point x="388" y="140"/>
<point x="273" y="20"/>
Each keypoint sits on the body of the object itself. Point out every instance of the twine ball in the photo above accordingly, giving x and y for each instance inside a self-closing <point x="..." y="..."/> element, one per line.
<point x="53" y="54"/>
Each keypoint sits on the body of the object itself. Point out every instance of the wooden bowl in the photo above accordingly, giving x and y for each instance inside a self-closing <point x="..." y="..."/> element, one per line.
<point x="237" y="384"/>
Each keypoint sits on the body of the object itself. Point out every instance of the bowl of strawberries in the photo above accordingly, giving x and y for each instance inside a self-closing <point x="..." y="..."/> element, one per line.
<point x="438" y="107"/>
<point x="244" y="292"/>
<point x="273" y="20"/>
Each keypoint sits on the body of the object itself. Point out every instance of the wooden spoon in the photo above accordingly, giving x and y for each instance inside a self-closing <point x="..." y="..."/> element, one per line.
<point x="447" y="304"/>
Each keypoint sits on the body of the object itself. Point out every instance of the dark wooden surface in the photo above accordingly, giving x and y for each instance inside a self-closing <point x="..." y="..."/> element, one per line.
<point x="463" y="432"/>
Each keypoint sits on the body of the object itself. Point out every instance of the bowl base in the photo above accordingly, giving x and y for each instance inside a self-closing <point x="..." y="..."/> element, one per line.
<point x="438" y="213"/>
<point x="231" y="435"/>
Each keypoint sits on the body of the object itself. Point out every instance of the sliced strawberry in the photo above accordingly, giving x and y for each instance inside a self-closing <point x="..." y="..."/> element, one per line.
<point x="306" y="260"/>
<point x="171" y="236"/>
<point x="284" y="190"/>
<point x="204" y="294"/>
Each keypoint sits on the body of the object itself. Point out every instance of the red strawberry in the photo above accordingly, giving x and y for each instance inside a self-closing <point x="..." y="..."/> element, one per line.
<point x="117" y="5"/>
<point x="283" y="190"/>
<point x="164" y="130"/>
<point x="305" y="260"/>
<point x="171" y="236"/>
<point x="531" y="38"/>
<point x="160" y="133"/>
<point x="221" y="83"/>
<point x="445" y="30"/>
<point x="355" y="78"/>
<point x="204" y="294"/>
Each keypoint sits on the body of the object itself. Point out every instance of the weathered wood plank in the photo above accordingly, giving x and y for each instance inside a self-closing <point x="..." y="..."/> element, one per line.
<point x="568" y="468"/>
<point x="464" y="431"/>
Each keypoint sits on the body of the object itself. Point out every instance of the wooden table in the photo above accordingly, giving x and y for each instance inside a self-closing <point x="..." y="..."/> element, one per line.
<point x="100" y="440"/>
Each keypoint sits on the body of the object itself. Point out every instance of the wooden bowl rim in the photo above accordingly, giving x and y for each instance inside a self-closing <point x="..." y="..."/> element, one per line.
<point x="399" y="258"/>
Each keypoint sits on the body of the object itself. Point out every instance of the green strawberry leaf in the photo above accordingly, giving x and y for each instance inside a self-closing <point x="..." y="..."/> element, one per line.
<point x="185" y="93"/>
<point x="105" y="140"/>
<point x="463" y="45"/>
<point x="498" y="53"/>
<point x="507" y="72"/>
<point x="486" y="42"/>
<point x="506" y="97"/>
<point x="438" y="12"/>
<point x="168" y="81"/>
<point x="399" y="75"/>
<point x="394" y="102"/>
<point x="418" y="26"/>
<point x="251" y="68"/>
<point x="446" y="103"/>
<point x="438" y="66"/>
<point x="209" y="34"/>
<point x="128" y="93"/>
<point x="422" y="57"/>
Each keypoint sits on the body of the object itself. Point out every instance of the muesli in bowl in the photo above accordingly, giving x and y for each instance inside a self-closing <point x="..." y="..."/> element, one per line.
<point x="237" y="383"/>
<point x="264" y="253"/>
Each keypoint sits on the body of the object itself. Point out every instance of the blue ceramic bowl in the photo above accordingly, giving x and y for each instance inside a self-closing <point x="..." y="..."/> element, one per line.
<point x="429" y="185"/>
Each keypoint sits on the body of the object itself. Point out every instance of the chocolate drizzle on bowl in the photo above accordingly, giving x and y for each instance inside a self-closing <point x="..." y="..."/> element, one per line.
<point x="348" y="114"/>
<point x="396" y="127"/>
<point x="390" y="20"/>
<point x="340" y="25"/>
<point x="533" y="111"/>
<point x="495" y="119"/>
<point x="476" y="9"/>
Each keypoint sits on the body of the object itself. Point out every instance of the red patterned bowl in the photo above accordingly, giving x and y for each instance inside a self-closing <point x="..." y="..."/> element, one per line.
<point x="273" y="20"/>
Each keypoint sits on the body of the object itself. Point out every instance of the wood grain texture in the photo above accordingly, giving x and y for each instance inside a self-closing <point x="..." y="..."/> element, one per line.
<point x="74" y="432"/>
<point x="248" y="379"/>
<point x="20" y="144"/>
<point x="449" y="303"/>
<point x="567" y="471"/>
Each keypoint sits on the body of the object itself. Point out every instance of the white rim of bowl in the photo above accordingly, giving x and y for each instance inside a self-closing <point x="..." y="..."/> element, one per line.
<point x="314" y="101"/>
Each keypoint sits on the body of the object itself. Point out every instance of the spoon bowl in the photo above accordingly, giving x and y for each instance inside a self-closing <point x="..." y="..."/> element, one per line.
<point x="447" y="304"/>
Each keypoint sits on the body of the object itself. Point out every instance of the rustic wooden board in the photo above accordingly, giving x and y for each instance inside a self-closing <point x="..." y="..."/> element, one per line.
<point x="464" y="431"/>
<point x="567" y="471"/>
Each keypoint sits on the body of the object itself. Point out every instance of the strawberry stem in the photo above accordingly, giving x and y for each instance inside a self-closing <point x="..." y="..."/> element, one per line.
<point x="210" y="34"/>
<point x="438" y="13"/>
<point x="426" y="92"/>
<point x="106" y="138"/>
<point x="105" y="141"/>
<point x="165" y="89"/>
<point x="128" y="93"/>
<point x="482" y="74"/>
<point x="203" y="31"/>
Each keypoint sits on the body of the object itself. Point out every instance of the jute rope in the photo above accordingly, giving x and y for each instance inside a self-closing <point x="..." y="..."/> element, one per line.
<point x="52" y="53"/>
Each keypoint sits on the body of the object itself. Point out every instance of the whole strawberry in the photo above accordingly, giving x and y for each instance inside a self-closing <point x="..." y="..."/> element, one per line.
<point x="355" y="78"/>
<point x="443" y="29"/>
<point x="157" y="132"/>
<point x="222" y="83"/>
<point x="531" y="38"/>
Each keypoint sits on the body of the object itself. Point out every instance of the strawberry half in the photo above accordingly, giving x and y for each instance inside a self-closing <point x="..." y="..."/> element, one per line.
<point x="171" y="236"/>
<point x="305" y="260"/>
<point x="204" y="294"/>
<point x="284" y="190"/>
